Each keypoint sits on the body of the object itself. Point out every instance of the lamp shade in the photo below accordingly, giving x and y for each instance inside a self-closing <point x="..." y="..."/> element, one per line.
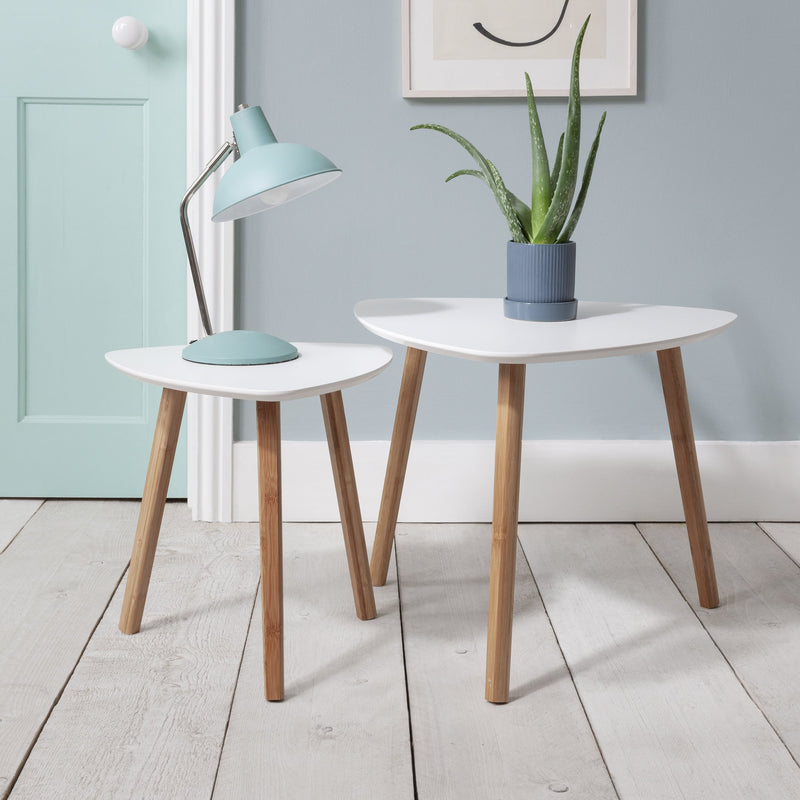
<point x="268" y="173"/>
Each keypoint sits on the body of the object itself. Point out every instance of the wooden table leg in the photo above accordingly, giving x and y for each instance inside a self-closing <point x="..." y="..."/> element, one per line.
<point x="507" y="462"/>
<point x="268" y="430"/>
<point x="349" y="509"/>
<point x="154" y="496"/>
<point x="673" y="382"/>
<point x="407" y="402"/>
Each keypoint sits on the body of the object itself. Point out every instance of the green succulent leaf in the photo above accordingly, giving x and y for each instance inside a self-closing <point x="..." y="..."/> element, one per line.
<point x="476" y="173"/>
<point x="566" y="233"/>
<point x="491" y="176"/>
<point x="568" y="173"/>
<point x="503" y="197"/>
<point x="540" y="192"/>
<point x="556" y="166"/>
<point x="467" y="145"/>
<point x="522" y="210"/>
<point x="523" y="213"/>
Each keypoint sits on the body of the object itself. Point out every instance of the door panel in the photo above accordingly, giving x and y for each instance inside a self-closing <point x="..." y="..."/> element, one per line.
<point x="91" y="172"/>
<point x="64" y="190"/>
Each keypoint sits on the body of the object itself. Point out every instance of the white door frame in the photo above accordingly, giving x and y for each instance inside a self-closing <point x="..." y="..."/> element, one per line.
<point x="210" y="68"/>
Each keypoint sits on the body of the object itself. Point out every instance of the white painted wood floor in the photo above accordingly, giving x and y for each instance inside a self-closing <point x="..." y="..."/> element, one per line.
<point x="622" y="687"/>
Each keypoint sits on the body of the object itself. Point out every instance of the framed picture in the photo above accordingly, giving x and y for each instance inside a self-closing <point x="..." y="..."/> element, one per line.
<point x="481" y="48"/>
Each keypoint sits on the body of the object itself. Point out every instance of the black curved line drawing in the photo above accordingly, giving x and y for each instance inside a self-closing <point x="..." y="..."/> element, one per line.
<point x="479" y="27"/>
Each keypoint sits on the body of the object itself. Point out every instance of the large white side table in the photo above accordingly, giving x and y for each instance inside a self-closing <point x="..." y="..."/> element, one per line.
<point x="321" y="369"/>
<point x="475" y="328"/>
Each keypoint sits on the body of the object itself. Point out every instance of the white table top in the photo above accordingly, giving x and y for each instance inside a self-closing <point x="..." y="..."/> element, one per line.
<point x="320" y="369"/>
<point x="475" y="328"/>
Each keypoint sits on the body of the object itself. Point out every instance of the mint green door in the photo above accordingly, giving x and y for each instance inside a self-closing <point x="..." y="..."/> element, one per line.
<point x="92" y="168"/>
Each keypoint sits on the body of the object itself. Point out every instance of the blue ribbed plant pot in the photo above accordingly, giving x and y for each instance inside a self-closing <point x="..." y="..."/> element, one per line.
<point x="541" y="282"/>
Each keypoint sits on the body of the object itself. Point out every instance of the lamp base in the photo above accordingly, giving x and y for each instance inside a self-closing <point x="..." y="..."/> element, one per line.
<point x="239" y="348"/>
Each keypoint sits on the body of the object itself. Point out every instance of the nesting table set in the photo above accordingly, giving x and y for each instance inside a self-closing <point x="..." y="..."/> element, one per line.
<point x="471" y="328"/>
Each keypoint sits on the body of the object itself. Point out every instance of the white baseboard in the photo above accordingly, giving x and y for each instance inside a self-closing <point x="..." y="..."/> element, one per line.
<point x="562" y="481"/>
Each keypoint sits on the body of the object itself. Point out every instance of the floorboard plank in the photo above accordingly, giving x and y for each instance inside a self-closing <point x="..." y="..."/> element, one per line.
<point x="669" y="714"/>
<point x="56" y="577"/>
<point x="539" y="744"/>
<point x="787" y="535"/>
<point x="13" y="516"/>
<point x="342" y="731"/>
<point x="757" y="625"/>
<point x="144" y="715"/>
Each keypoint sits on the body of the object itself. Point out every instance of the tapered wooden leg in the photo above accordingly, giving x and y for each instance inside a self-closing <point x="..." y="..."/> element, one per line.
<point x="673" y="382"/>
<point x="407" y="402"/>
<point x="349" y="509"/>
<point x="507" y="462"/>
<point x="268" y="430"/>
<point x="162" y="455"/>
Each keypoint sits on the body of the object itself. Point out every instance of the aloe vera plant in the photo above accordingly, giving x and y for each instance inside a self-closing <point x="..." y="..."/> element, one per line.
<point x="548" y="219"/>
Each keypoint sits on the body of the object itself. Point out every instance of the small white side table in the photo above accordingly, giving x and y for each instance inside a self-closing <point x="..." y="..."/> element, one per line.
<point x="475" y="328"/>
<point x="321" y="369"/>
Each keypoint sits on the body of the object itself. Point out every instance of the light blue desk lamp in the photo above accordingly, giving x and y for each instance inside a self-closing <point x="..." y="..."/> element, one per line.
<point x="266" y="174"/>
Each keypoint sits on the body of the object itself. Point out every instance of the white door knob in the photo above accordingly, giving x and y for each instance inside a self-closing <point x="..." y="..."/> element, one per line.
<point x="129" y="32"/>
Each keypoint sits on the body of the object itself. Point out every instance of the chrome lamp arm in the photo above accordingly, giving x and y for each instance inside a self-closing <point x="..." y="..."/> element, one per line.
<point x="211" y="167"/>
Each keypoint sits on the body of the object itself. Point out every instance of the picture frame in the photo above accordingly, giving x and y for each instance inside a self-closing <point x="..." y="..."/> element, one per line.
<point x="481" y="48"/>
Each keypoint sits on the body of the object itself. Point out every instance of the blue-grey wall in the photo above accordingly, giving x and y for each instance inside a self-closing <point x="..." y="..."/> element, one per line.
<point x="692" y="203"/>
